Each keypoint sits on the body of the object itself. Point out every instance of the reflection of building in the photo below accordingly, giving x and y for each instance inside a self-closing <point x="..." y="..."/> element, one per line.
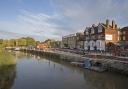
<point x="98" y="36"/>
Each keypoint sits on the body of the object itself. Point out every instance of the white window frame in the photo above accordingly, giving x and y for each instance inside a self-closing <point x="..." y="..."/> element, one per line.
<point x="92" y="30"/>
<point x="100" y="29"/>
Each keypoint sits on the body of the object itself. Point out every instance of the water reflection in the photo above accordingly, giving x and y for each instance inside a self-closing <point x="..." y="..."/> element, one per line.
<point x="7" y="70"/>
<point x="35" y="72"/>
<point x="105" y="80"/>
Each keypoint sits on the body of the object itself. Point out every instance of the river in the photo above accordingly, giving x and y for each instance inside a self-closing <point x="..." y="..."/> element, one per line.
<point x="34" y="72"/>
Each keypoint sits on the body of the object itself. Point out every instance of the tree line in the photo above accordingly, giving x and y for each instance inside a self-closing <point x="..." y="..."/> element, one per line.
<point x="24" y="41"/>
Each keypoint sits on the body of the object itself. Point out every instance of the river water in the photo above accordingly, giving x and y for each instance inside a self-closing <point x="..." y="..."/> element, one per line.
<point x="34" y="72"/>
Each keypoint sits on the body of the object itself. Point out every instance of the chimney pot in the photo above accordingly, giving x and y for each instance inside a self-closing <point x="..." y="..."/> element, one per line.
<point x="107" y="23"/>
<point x="113" y="24"/>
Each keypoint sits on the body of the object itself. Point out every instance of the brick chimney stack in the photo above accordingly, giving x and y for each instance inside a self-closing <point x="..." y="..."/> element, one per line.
<point x="107" y="23"/>
<point x="113" y="24"/>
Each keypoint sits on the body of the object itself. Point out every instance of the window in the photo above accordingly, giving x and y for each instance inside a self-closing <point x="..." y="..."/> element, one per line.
<point x="123" y="37"/>
<point x="93" y="45"/>
<point x="119" y="32"/>
<point x="118" y="38"/>
<point x="108" y="37"/>
<point x="99" y="28"/>
<point x="87" y="32"/>
<point x="86" y="43"/>
<point x="124" y="32"/>
<point x="92" y="30"/>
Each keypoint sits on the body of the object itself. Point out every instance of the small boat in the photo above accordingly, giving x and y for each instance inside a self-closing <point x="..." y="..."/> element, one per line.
<point x="96" y="67"/>
<point x="87" y="63"/>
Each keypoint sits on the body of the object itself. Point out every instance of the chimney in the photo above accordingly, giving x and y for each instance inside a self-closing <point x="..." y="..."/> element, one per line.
<point x="113" y="24"/>
<point x="107" y="23"/>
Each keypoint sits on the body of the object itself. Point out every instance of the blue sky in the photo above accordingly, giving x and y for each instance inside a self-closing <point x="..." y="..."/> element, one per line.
<point x="44" y="19"/>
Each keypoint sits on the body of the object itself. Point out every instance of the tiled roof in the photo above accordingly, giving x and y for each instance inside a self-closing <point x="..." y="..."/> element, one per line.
<point x="124" y="28"/>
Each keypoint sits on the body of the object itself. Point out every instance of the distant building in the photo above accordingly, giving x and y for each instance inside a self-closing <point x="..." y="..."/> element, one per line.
<point x="42" y="46"/>
<point x="123" y="34"/>
<point x="97" y="37"/>
<point x="69" y="41"/>
<point x="123" y="38"/>
<point x="74" y="41"/>
<point x="56" y="44"/>
<point x="80" y="38"/>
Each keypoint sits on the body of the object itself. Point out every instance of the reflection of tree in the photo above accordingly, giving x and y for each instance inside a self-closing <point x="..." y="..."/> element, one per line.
<point x="7" y="70"/>
<point x="7" y="76"/>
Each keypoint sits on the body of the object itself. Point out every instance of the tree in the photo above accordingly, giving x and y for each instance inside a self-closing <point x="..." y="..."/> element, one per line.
<point x="5" y="43"/>
<point x="30" y="41"/>
<point x="21" y="42"/>
<point x="12" y="42"/>
<point x="49" y="42"/>
<point x="37" y="42"/>
<point x="1" y="41"/>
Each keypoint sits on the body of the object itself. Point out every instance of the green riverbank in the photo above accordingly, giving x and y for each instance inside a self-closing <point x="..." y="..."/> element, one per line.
<point x="7" y="69"/>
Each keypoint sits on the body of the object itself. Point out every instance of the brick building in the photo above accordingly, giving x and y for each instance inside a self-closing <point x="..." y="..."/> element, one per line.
<point x="97" y="37"/>
<point x="42" y="46"/>
<point x="123" y="38"/>
<point x="123" y="34"/>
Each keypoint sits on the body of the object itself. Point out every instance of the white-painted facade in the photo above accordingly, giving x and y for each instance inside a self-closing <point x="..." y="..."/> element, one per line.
<point x="86" y="44"/>
<point x="92" y="45"/>
<point x="100" y="45"/>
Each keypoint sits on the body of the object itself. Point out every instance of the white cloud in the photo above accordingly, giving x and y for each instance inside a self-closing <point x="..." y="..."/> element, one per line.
<point x="70" y="16"/>
<point x="39" y="25"/>
<point x="87" y="12"/>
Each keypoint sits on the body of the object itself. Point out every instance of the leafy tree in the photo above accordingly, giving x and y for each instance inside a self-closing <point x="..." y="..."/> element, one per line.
<point x="30" y="41"/>
<point x="49" y="41"/>
<point x="5" y="43"/>
<point x="21" y="42"/>
<point x="12" y="42"/>
<point x="1" y="41"/>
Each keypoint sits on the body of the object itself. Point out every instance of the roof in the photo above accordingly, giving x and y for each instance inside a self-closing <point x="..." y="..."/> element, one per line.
<point x="104" y="25"/>
<point x="124" y="28"/>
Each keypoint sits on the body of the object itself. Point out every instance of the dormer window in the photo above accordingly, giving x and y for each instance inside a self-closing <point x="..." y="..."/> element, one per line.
<point x="92" y="30"/>
<point x="99" y="28"/>
<point x="86" y="31"/>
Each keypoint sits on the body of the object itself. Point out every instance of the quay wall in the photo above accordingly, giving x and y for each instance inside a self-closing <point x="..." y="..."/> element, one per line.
<point x="112" y="65"/>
